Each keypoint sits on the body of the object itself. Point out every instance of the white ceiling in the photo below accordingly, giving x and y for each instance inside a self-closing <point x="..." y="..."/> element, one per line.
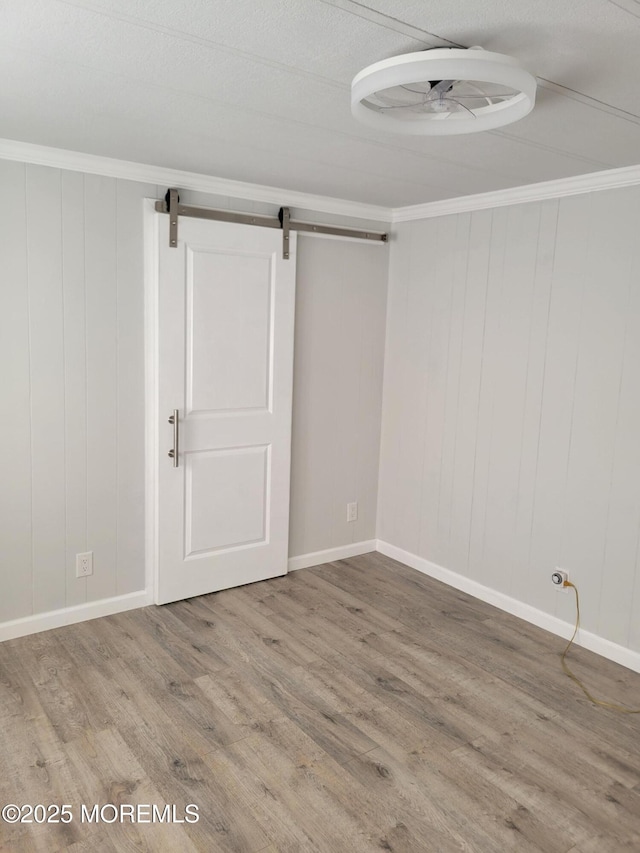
<point x="258" y="90"/>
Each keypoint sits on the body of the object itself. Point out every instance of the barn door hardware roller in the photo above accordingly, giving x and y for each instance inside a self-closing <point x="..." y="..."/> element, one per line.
<point x="283" y="221"/>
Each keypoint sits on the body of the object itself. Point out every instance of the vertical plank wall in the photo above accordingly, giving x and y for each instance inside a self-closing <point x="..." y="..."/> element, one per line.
<point x="72" y="367"/>
<point x="511" y="414"/>
<point x="72" y="356"/>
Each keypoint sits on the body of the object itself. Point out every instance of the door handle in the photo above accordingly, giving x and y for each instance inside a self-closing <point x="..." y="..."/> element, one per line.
<point x="173" y="453"/>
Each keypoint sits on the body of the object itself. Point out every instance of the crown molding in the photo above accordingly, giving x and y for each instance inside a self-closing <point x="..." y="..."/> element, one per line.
<point x="626" y="176"/>
<point x="76" y="161"/>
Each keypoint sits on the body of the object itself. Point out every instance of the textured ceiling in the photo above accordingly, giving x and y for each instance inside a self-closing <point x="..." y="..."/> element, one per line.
<point x="258" y="90"/>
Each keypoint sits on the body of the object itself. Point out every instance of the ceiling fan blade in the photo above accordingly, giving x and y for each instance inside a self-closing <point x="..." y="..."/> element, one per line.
<point x="417" y="88"/>
<point x="404" y="106"/>
<point x="398" y="97"/>
<point x="417" y="107"/>
<point x="467" y="90"/>
<point x="492" y="98"/>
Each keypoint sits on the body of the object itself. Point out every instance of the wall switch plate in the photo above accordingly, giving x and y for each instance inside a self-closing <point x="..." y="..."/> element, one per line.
<point x="352" y="511"/>
<point x="84" y="564"/>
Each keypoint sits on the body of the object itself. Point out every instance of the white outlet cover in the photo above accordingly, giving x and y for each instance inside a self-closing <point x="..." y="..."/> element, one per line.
<point x="84" y="564"/>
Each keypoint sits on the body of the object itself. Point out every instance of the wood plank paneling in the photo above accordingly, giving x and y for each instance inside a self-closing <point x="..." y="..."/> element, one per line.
<point x="561" y="352"/>
<point x="75" y="380"/>
<point x="46" y="345"/>
<point x="15" y="427"/>
<point x="432" y="436"/>
<point x="130" y="387"/>
<point x="473" y="333"/>
<point x="102" y="383"/>
<point x="73" y="347"/>
<point x="596" y="395"/>
<point x="452" y="384"/>
<point x="411" y="423"/>
<point x="511" y="349"/>
<point x="530" y="456"/>
<point x="623" y="523"/>
<point x="399" y="280"/>
<point x="528" y="585"/>
<point x="491" y="359"/>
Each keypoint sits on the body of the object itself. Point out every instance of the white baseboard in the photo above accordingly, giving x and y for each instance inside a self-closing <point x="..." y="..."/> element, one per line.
<point x="71" y="615"/>
<point x="593" y="642"/>
<point x="118" y="604"/>
<point x="317" y="558"/>
<point x="107" y="606"/>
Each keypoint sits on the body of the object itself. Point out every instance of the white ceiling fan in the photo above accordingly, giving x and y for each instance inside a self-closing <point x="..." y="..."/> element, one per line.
<point x="443" y="91"/>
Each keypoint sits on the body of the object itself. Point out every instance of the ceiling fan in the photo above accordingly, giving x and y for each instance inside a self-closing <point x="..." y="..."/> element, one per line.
<point x="443" y="91"/>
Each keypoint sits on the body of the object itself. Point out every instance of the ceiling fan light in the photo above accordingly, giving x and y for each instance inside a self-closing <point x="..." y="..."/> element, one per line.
<point x="456" y="64"/>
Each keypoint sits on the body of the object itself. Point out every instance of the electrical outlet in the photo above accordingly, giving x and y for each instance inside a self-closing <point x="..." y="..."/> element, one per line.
<point x="84" y="564"/>
<point x="352" y="511"/>
<point x="558" y="578"/>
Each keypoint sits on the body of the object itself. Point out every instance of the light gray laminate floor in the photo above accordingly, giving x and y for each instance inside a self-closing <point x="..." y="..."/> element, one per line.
<point x="358" y="706"/>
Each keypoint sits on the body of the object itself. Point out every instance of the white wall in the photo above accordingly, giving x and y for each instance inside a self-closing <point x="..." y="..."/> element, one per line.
<point x="341" y="294"/>
<point x="511" y="426"/>
<point x="72" y="350"/>
<point x="72" y="365"/>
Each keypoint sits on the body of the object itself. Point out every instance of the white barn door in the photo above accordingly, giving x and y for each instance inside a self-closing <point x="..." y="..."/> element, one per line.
<point x="225" y="357"/>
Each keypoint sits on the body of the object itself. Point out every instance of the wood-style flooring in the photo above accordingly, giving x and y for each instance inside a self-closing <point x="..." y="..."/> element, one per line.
<point x="358" y="706"/>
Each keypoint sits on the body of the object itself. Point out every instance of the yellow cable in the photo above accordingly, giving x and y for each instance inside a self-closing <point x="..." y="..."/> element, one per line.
<point x="610" y="705"/>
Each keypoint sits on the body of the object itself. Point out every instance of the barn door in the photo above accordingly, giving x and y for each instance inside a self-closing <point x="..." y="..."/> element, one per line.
<point x="224" y="388"/>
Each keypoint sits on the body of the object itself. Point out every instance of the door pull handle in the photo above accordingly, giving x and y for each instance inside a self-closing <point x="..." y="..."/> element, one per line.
<point x="173" y="453"/>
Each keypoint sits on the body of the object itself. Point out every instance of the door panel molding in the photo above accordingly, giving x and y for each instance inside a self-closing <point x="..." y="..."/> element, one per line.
<point x="256" y="455"/>
<point x="256" y="374"/>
